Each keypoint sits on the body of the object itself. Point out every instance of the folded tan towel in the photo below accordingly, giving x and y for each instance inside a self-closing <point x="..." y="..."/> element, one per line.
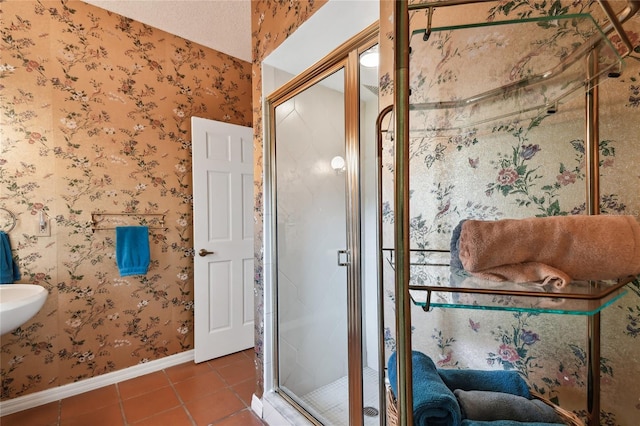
<point x="551" y="249"/>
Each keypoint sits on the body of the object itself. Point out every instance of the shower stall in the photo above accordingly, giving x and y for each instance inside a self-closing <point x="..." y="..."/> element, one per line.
<point x="323" y="230"/>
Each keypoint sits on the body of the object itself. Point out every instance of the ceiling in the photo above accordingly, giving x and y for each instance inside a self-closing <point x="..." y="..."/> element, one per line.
<point x="222" y="25"/>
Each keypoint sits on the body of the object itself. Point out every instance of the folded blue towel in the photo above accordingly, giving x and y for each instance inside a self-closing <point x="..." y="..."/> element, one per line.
<point x="132" y="250"/>
<point x="9" y="272"/>
<point x="505" y="423"/>
<point x="506" y="381"/>
<point x="433" y="402"/>
<point x="492" y="406"/>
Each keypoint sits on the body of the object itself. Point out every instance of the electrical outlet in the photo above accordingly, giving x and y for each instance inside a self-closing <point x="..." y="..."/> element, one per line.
<point x="42" y="227"/>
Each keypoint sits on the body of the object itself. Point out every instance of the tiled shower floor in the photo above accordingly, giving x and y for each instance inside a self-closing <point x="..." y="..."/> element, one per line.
<point x="331" y="402"/>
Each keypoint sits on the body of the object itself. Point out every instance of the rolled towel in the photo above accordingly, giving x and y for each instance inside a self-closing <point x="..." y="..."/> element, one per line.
<point x="433" y="402"/>
<point x="506" y="381"/>
<point x="490" y="406"/>
<point x="521" y="273"/>
<point x="468" y="422"/>
<point x="556" y="248"/>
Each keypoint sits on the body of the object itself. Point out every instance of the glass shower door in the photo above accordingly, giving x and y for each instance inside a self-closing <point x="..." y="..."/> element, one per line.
<point x="311" y="242"/>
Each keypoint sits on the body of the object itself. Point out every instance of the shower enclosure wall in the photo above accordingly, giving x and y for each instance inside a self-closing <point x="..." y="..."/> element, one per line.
<point x="322" y="233"/>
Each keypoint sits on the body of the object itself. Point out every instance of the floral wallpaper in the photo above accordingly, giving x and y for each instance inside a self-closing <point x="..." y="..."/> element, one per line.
<point x="272" y="22"/>
<point x="463" y="168"/>
<point x="95" y="118"/>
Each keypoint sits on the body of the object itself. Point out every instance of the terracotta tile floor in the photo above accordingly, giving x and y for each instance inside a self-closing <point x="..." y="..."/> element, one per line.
<point x="216" y="392"/>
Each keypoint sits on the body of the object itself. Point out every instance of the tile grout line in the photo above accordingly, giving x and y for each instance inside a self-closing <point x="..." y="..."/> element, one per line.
<point x="183" y="404"/>
<point x="59" y="420"/>
<point x="121" y="405"/>
<point x="125" y="422"/>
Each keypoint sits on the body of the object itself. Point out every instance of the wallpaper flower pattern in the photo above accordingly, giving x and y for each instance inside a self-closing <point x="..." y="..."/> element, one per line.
<point x="510" y="168"/>
<point x="96" y="115"/>
<point x="272" y="22"/>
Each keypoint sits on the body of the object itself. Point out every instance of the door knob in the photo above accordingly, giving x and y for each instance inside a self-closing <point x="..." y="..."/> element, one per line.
<point x="204" y="252"/>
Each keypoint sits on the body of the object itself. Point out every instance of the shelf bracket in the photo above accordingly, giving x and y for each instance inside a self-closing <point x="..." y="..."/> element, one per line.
<point x="427" y="32"/>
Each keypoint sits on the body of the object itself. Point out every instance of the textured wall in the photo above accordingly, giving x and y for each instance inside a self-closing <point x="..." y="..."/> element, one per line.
<point x="96" y="117"/>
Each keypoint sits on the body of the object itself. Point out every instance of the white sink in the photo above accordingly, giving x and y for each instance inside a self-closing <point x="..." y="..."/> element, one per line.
<point x="19" y="303"/>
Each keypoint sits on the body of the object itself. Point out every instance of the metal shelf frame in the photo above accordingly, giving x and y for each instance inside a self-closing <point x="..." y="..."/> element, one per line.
<point x="401" y="195"/>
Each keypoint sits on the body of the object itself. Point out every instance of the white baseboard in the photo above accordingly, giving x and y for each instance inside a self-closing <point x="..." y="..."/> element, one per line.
<point x="256" y="405"/>
<point x="21" y="403"/>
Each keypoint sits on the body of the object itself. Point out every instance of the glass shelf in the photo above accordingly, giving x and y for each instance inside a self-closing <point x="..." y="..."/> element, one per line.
<point x="441" y="286"/>
<point x="504" y="73"/>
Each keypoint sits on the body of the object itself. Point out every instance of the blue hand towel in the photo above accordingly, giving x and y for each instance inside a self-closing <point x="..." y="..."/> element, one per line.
<point x="9" y="272"/>
<point x="506" y="381"/>
<point x="433" y="403"/>
<point x="467" y="422"/>
<point x="132" y="250"/>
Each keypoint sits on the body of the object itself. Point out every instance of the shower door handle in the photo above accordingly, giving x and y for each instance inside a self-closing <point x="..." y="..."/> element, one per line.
<point x="344" y="254"/>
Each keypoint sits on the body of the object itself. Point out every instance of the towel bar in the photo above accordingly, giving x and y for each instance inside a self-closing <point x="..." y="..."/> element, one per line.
<point x="154" y="223"/>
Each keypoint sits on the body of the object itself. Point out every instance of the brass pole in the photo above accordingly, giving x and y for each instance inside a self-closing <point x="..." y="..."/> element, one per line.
<point x="401" y="215"/>
<point x="354" y="283"/>
<point x="592" y="155"/>
<point x="592" y="159"/>
<point x="381" y="362"/>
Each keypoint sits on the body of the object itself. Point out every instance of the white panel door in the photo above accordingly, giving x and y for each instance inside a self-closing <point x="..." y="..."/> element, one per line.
<point x="223" y="237"/>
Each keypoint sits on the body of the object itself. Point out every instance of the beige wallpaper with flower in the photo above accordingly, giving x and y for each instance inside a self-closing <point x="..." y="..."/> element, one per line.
<point x="514" y="168"/>
<point x="95" y="117"/>
<point x="272" y="22"/>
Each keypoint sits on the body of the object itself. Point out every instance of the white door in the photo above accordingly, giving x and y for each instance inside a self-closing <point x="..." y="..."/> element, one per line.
<point x="223" y="237"/>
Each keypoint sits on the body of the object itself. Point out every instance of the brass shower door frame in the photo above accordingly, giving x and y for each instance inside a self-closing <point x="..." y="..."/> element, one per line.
<point x="346" y="57"/>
